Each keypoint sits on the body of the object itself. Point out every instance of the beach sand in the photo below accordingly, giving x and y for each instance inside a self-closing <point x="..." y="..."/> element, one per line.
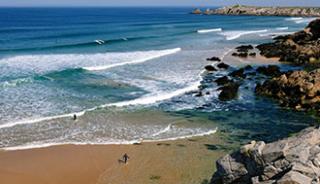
<point x="181" y="161"/>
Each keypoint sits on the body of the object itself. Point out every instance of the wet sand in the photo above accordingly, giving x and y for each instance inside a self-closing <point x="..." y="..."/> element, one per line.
<point x="181" y="161"/>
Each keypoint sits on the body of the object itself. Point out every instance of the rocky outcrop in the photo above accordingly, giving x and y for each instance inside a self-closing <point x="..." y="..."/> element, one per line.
<point x="298" y="89"/>
<point x="301" y="48"/>
<point x="295" y="160"/>
<point x="263" y="11"/>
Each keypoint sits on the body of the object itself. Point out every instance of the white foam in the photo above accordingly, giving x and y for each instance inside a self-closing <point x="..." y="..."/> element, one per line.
<point x="156" y="98"/>
<point x="202" y="31"/>
<point x="44" y="145"/>
<point x="300" y="20"/>
<point x="140" y="101"/>
<point x="282" y="28"/>
<point x="15" y="82"/>
<point x="139" y="60"/>
<point x="167" y="129"/>
<point x="40" y="64"/>
<point x="275" y="34"/>
<point x="232" y="35"/>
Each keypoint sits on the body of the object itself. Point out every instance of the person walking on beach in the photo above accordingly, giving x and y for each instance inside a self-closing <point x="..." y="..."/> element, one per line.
<point x="125" y="158"/>
<point x="74" y="117"/>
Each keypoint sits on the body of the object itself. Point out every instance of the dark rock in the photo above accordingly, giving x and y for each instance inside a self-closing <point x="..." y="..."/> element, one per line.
<point x="248" y="67"/>
<point x="253" y="54"/>
<point x="210" y="68"/>
<point x="214" y="59"/>
<point x="244" y="48"/>
<point x="229" y="91"/>
<point x="238" y="73"/>
<point x="271" y="70"/>
<point x="223" y="80"/>
<point x="223" y="66"/>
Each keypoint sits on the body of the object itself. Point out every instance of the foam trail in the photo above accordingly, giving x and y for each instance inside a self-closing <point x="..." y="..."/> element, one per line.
<point x="232" y="35"/>
<point x="282" y="28"/>
<point x="275" y="34"/>
<point x="15" y="82"/>
<point x="300" y="20"/>
<point x="202" y="31"/>
<point x="44" y="145"/>
<point x="153" y="99"/>
<point x="141" y="60"/>
<point x="163" y="131"/>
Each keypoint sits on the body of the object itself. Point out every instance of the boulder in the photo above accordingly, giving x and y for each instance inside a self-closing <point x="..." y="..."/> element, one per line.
<point x="261" y="163"/>
<point x="223" y="66"/>
<point x="210" y="68"/>
<point x="244" y="48"/>
<point x="229" y="91"/>
<point x="271" y="70"/>
<point x="238" y="73"/>
<point x="223" y="81"/>
<point x="214" y="59"/>
<point x="196" y="11"/>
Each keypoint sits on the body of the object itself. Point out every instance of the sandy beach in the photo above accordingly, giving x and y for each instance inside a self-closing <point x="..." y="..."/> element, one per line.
<point x="181" y="161"/>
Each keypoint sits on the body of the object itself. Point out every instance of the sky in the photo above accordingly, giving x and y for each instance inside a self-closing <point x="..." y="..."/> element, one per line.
<point x="196" y="3"/>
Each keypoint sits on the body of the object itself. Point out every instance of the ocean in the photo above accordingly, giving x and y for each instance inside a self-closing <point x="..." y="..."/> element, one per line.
<point x="129" y="74"/>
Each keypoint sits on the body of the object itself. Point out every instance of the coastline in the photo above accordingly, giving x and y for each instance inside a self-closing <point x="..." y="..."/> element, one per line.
<point x="179" y="161"/>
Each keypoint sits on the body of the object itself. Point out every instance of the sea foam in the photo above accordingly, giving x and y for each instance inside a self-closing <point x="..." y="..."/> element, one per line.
<point x="232" y="35"/>
<point x="202" y="31"/>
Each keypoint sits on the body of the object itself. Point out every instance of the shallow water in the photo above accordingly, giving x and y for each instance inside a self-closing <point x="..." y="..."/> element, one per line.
<point x="109" y="65"/>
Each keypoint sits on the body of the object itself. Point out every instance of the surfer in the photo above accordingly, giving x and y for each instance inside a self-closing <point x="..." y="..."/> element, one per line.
<point x="74" y="117"/>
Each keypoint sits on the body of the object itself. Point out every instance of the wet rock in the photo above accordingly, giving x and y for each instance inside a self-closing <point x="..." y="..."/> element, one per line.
<point x="223" y="66"/>
<point x="238" y="73"/>
<point x="223" y="81"/>
<point x="229" y="91"/>
<point x="248" y="67"/>
<point x="196" y="11"/>
<point x="253" y="54"/>
<point x="244" y="48"/>
<point x="214" y="59"/>
<point x="271" y="70"/>
<point x="210" y="68"/>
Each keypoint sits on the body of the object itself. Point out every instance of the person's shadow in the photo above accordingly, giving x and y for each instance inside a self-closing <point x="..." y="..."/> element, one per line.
<point x="120" y="161"/>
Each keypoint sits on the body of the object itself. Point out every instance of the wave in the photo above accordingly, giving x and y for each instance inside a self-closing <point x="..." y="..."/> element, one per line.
<point x="15" y="82"/>
<point x="44" y="145"/>
<point x="97" y="42"/>
<point x="42" y="64"/>
<point x="273" y="34"/>
<point x="156" y="54"/>
<point x="300" y="20"/>
<point x="232" y="35"/>
<point x="201" y="31"/>
<point x="140" y="101"/>
<point x="282" y="28"/>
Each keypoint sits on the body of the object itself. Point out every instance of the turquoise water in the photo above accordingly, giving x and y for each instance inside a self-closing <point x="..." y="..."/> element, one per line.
<point x="128" y="73"/>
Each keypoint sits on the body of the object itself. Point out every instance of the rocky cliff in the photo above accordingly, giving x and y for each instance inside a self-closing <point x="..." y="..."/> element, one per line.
<point x="263" y="11"/>
<point x="295" y="160"/>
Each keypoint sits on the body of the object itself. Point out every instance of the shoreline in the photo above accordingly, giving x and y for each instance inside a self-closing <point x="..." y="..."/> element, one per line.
<point x="150" y="162"/>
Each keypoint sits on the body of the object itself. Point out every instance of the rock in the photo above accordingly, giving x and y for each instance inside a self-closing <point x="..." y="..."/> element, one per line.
<point x="262" y="163"/>
<point x="244" y="48"/>
<point x="298" y="89"/>
<point x="300" y="48"/>
<point x="271" y="70"/>
<point x="248" y="67"/>
<point x="253" y="54"/>
<point x="214" y="59"/>
<point x="196" y="11"/>
<point x="223" y="66"/>
<point x="293" y="177"/>
<point x="265" y="11"/>
<point x="229" y="91"/>
<point x="238" y="73"/>
<point x="223" y="81"/>
<point x="210" y="68"/>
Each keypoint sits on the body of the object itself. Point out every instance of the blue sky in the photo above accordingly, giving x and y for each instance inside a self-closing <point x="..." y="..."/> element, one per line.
<point x="157" y="2"/>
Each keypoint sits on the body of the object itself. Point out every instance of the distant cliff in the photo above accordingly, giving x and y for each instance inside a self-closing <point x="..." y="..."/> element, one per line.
<point x="262" y="11"/>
